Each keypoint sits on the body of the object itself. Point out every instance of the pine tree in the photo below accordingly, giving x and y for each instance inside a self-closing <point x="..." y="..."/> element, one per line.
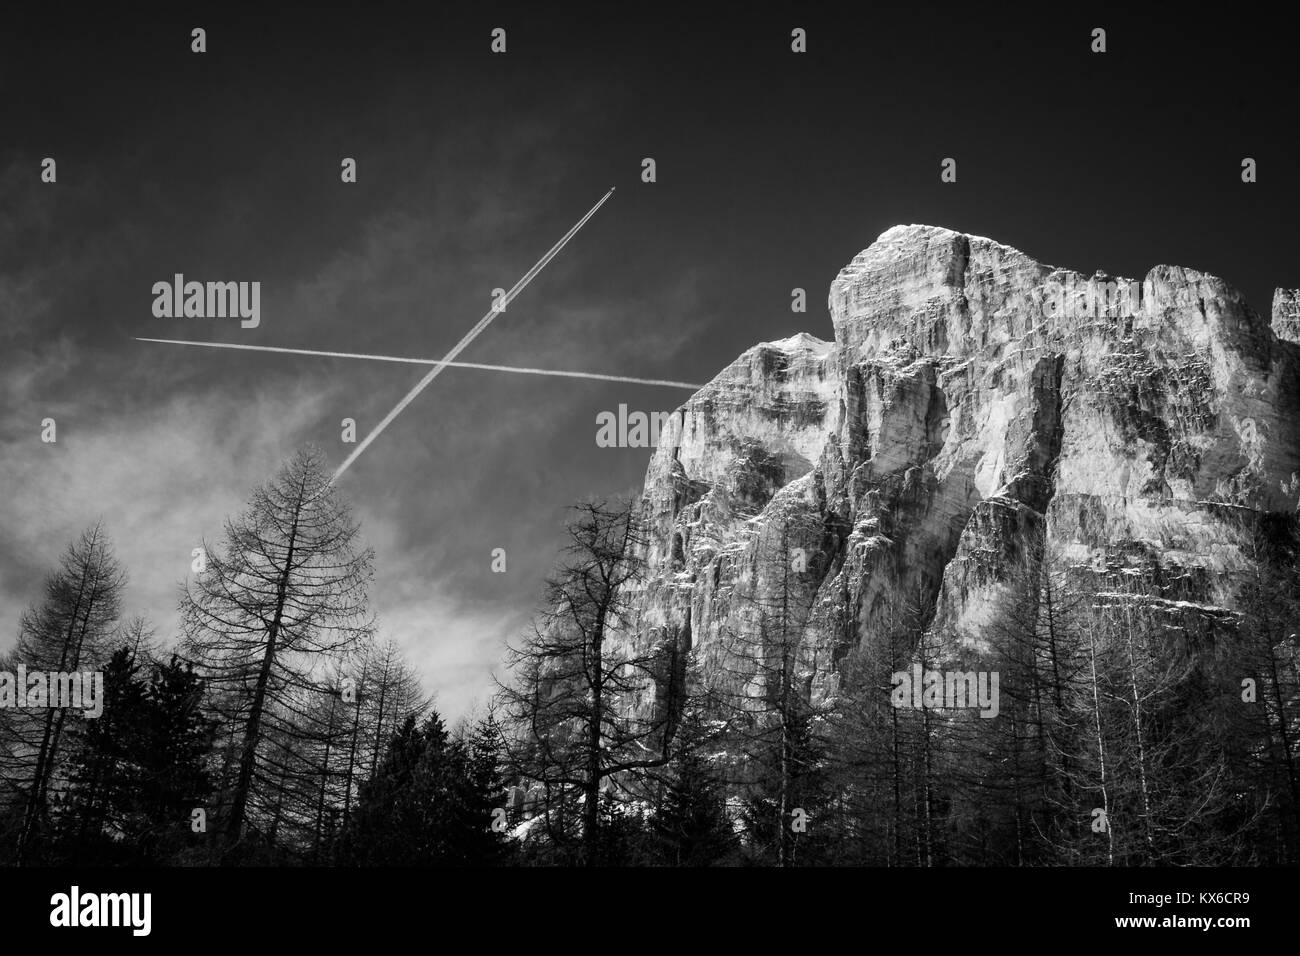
<point x="138" y="772"/>
<point x="69" y="631"/>
<point x="387" y="691"/>
<point x="105" y="781"/>
<point x="870" y="745"/>
<point x="764" y="696"/>
<point x="691" y="825"/>
<point x="430" y="803"/>
<point x="1257" y="677"/>
<point x="172" y="759"/>
<point x="265" y="625"/>
<point x="571" y="703"/>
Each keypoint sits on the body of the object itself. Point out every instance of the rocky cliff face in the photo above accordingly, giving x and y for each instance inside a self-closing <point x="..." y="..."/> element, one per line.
<point x="970" y="397"/>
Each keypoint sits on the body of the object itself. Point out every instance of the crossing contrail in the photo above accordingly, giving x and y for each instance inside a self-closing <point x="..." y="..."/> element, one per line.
<point x="497" y="308"/>
<point x="518" y="370"/>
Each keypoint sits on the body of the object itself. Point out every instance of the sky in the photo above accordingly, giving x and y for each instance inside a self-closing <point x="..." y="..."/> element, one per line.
<point x="773" y="170"/>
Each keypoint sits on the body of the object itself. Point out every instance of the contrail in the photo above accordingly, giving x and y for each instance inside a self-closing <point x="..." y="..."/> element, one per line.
<point x="668" y="383"/>
<point x="470" y="336"/>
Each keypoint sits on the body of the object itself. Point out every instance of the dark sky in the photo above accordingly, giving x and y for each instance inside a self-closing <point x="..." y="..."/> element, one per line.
<point x="774" y="169"/>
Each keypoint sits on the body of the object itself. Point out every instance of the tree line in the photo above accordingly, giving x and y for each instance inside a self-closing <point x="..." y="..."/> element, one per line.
<point x="1132" y="726"/>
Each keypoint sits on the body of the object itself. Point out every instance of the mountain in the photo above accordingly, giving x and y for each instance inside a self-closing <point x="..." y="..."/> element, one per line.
<point x="973" y="401"/>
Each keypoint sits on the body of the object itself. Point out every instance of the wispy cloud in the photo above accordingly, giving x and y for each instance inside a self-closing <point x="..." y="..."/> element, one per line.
<point x="163" y="446"/>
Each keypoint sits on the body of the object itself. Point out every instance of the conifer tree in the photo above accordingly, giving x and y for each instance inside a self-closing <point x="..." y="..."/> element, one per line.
<point x="279" y="606"/>
<point x="139" y="770"/>
<point x="429" y="803"/>
<point x="577" y="678"/>
<point x="691" y="825"/>
<point x="68" y="631"/>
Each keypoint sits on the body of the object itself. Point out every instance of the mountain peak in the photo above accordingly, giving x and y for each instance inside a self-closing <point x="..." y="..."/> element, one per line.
<point x="974" y="401"/>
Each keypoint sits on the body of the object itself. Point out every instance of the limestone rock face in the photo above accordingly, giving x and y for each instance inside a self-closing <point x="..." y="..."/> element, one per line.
<point x="971" y="396"/>
<point x="1286" y="314"/>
